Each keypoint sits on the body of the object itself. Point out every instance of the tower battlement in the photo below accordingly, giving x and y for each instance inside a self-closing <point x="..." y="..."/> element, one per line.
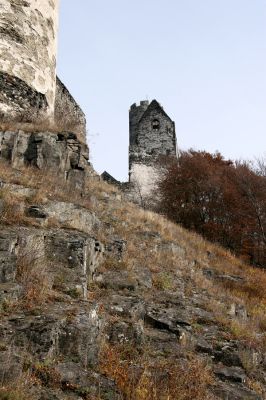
<point x="142" y="103"/>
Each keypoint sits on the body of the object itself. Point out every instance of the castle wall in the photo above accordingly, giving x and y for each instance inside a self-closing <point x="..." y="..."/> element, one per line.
<point x="151" y="144"/>
<point x="135" y="114"/>
<point x="28" y="32"/>
<point x="68" y="115"/>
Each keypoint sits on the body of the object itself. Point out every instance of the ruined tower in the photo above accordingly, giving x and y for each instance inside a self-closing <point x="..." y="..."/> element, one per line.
<point x="28" y="42"/>
<point x="151" y="137"/>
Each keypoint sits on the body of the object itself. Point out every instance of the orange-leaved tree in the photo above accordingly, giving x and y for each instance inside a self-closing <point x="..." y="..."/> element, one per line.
<point x="223" y="200"/>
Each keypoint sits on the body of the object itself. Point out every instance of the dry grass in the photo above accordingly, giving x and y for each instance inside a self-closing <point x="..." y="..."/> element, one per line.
<point x="45" y="124"/>
<point x="46" y="375"/>
<point x="32" y="273"/>
<point x="45" y="185"/>
<point x="126" y="220"/>
<point x="141" y="379"/>
<point x="9" y="393"/>
<point x="12" y="211"/>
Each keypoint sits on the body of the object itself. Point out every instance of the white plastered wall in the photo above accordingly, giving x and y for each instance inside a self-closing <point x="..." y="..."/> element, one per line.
<point x="144" y="179"/>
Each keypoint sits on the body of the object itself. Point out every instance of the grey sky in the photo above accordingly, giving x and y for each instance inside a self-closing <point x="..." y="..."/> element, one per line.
<point x="203" y="60"/>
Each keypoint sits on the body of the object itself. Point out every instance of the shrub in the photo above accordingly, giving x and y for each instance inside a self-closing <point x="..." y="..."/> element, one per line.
<point x="46" y="374"/>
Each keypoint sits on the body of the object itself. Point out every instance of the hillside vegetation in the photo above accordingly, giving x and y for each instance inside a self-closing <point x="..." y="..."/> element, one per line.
<point x="103" y="300"/>
<point x="224" y="201"/>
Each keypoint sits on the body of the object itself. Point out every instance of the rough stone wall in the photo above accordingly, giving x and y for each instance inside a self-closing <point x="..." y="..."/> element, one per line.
<point x="152" y="135"/>
<point x="28" y="33"/>
<point x="60" y="152"/>
<point x="135" y="113"/>
<point x="68" y="113"/>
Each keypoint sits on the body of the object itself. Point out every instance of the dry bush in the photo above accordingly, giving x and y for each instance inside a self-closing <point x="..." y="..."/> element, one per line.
<point x="32" y="273"/>
<point x="140" y="379"/>
<point x="45" y="124"/>
<point x="46" y="374"/>
<point x="12" y="209"/>
<point x="253" y="384"/>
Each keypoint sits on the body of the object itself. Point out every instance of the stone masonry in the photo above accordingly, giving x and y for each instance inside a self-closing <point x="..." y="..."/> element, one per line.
<point x="28" y="43"/>
<point x="151" y="138"/>
<point x="30" y="92"/>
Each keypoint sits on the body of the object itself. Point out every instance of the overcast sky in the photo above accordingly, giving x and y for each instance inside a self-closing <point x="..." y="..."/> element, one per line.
<point x="203" y="60"/>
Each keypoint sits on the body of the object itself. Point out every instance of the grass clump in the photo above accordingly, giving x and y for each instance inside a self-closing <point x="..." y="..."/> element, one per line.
<point x="163" y="281"/>
<point x="33" y="275"/>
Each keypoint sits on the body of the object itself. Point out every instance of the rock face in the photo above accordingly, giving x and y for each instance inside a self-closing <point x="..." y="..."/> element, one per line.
<point x="60" y="330"/>
<point x="72" y="258"/>
<point x="66" y="215"/>
<point x="61" y="152"/>
<point x="28" y="42"/>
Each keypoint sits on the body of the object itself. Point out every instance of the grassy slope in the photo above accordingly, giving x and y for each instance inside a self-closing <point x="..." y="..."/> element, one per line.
<point x="125" y="220"/>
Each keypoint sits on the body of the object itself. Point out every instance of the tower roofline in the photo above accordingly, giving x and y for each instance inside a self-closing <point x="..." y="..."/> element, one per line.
<point x="155" y="105"/>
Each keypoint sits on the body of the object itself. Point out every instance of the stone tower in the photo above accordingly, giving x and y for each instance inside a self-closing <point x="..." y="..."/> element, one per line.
<point x="28" y="42"/>
<point x="151" y="136"/>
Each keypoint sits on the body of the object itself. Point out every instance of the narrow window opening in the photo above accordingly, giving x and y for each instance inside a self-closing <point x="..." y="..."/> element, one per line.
<point x="155" y="125"/>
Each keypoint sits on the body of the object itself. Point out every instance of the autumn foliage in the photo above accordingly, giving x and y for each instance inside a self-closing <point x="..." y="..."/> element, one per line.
<point x="222" y="200"/>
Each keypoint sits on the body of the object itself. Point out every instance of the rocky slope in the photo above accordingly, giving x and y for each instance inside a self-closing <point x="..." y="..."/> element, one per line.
<point x="103" y="300"/>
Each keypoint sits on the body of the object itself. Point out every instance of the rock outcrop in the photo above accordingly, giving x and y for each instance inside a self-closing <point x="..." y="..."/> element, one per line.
<point x="61" y="152"/>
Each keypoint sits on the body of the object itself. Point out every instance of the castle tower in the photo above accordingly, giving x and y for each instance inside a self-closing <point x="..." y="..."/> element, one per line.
<point x="152" y="135"/>
<point x="28" y="42"/>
